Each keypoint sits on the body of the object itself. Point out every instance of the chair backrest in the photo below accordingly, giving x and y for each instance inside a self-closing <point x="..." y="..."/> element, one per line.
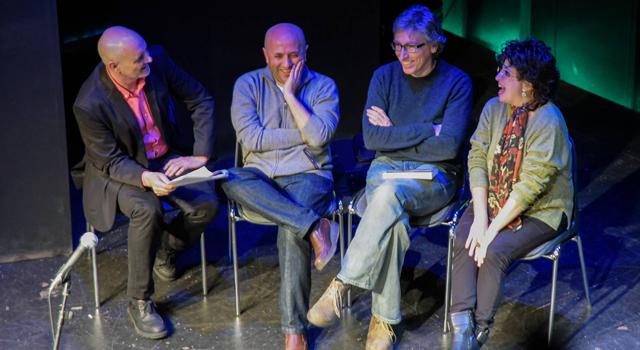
<point x="574" y="180"/>
<point x="238" y="162"/>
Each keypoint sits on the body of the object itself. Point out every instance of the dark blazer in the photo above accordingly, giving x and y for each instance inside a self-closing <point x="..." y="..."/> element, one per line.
<point x="114" y="148"/>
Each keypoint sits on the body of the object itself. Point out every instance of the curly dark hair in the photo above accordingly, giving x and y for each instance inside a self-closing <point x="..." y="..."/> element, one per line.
<point x="534" y="63"/>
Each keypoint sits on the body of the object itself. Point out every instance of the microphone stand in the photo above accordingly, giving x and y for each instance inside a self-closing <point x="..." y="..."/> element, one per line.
<point x="62" y="313"/>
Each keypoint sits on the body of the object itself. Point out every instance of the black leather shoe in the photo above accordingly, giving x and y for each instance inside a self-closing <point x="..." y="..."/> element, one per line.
<point x="463" y="335"/>
<point x="165" y="266"/>
<point x="147" y="322"/>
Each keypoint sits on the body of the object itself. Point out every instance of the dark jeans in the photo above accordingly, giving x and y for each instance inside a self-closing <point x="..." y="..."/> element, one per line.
<point x="479" y="290"/>
<point x="294" y="203"/>
<point x="198" y="206"/>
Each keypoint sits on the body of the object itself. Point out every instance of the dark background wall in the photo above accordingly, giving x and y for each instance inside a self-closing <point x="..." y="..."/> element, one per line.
<point x="34" y="195"/>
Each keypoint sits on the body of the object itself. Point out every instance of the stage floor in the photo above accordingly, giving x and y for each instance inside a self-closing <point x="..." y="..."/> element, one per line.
<point x="609" y="226"/>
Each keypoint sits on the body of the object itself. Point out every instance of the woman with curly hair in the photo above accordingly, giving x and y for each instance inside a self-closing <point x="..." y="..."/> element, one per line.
<point x="520" y="179"/>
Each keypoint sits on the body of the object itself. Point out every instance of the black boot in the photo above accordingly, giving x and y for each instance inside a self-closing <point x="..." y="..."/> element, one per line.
<point x="147" y="322"/>
<point x="463" y="331"/>
<point x="165" y="266"/>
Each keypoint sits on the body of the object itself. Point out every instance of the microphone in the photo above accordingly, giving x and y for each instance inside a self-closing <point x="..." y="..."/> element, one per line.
<point x="87" y="241"/>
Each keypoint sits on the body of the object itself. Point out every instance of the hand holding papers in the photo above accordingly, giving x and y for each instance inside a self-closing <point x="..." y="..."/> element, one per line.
<point x="419" y="174"/>
<point x="199" y="175"/>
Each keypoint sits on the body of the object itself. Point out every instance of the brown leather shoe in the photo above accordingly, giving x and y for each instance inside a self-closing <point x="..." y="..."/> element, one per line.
<point x="324" y="239"/>
<point x="326" y="311"/>
<point x="295" y="342"/>
<point x="381" y="335"/>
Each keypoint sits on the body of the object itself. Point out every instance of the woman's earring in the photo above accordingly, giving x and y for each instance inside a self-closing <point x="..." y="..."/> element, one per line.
<point x="524" y="93"/>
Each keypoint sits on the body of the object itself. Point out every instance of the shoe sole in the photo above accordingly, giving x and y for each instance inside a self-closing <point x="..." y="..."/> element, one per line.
<point x="154" y="336"/>
<point x="335" y="234"/>
<point x="320" y="323"/>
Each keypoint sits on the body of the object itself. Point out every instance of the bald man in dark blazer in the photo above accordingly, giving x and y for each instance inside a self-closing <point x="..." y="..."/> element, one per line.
<point x="131" y="134"/>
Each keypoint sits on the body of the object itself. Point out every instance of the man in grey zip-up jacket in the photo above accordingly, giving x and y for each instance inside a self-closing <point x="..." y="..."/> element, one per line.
<point x="285" y="116"/>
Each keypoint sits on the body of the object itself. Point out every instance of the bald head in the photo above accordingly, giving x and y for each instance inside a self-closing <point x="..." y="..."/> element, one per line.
<point x="125" y="55"/>
<point x="115" y="41"/>
<point x="284" y="32"/>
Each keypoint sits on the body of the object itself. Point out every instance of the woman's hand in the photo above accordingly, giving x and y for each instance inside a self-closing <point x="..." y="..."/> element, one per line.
<point x="476" y="234"/>
<point x="481" y="252"/>
<point x="510" y="210"/>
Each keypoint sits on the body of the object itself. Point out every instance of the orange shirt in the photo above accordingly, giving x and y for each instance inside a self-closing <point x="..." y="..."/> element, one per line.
<point x="153" y="143"/>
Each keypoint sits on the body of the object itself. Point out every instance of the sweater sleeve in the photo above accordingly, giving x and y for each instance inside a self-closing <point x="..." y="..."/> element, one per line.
<point x="547" y="151"/>
<point x="249" y="129"/>
<point x="383" y="138"/>
<point x="325" y="114"/>
<point x="455" y="124"/>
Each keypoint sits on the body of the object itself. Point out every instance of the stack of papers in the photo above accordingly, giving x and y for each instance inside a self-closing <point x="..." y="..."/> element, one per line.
<point x="200" y="175"/>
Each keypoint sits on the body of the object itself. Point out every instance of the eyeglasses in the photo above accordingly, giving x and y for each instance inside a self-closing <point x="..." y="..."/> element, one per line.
<point x="410" y="48"/>
<point x="504" y="72"/>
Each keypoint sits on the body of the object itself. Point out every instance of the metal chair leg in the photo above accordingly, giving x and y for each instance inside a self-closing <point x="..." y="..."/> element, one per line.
<point x="447" y="293"/>
<point x="96" y="286"/>
<point x="578" y="241"/>
<point x="94" y="266"/>
<point x="229" y="221"/>
<point x="341" y="223"/>
<point x="234" y="249"/>
<point x="553" y="296"/>
<point x="203" y="258"/>
<point x="349" y="234"/>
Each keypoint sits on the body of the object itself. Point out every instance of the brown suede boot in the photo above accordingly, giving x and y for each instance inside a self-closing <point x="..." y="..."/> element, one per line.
<point x="381" y="335"/>
<point x="326" y="311"/>
<point x="324" y="239"/>
<point x="295" y="342"/>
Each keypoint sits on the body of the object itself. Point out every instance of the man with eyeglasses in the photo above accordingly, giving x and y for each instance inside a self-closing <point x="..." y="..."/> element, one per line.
<point x="285" y="116"/>
<point x="417" y="116"/>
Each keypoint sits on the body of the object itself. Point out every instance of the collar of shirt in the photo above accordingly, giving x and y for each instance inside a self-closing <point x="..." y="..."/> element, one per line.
<point x="126" y="93"/>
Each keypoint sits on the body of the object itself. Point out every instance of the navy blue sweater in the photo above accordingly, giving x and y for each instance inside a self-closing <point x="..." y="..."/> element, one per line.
<point x="414" y="105"/>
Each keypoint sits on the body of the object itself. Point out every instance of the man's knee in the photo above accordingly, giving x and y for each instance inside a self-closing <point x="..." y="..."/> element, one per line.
<point x="387" y="192"/>
<point x="234" y="184"/>
<point x="205" y="212"/>
<point x="242" y="174"/>
<point x="146" y="212"/>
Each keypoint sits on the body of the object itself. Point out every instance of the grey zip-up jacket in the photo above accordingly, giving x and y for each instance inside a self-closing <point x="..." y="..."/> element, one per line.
<point x="270" y="139"/>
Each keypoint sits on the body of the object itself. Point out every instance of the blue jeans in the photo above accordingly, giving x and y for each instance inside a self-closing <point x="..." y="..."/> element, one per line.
<point x="295" y="203"/>
<point x="376" y="254"/>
